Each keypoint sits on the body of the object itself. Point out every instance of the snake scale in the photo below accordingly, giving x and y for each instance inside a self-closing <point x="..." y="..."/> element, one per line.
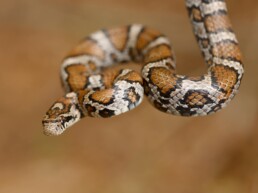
<point x="93" y="91"/>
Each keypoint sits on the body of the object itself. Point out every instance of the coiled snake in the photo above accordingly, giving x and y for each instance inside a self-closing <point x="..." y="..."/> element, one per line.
<point x="91" y="91"/>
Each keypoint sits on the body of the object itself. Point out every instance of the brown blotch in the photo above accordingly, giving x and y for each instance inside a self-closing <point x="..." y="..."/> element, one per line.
<point x="145" y="37"/>
<point x="227" y="50"/>
<point x="103" y="96"/>
<point x="77" y="76"/>
<point x="214" y="23"/>
<point x="225" y="78"/>
<point x="132" y="76"/>
<point x="164" y="79"/>
<point x="196" y="13"/>
<point x="196" y="99"/>
<point x="109" y="77"/>
<point x="89" y="47"/>
<point x="157" y="53"/>
<point x="118" y="36"/>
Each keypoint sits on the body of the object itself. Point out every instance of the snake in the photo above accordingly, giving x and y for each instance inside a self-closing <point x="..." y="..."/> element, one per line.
<point x="95" y="88"/>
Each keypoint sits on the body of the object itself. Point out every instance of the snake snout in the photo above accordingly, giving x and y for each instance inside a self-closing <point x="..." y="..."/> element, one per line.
<point x="52" y="127"/>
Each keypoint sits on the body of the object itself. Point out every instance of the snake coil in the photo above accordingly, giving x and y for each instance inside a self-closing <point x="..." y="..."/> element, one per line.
<point x="92" y="91"/>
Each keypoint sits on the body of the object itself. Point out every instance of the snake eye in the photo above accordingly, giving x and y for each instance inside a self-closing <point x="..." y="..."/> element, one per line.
<point x="68" y="118"/>
<point x="67" y="121"/>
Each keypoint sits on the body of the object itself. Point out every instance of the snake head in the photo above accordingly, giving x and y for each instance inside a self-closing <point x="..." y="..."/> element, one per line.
<point x="62" y="114"/>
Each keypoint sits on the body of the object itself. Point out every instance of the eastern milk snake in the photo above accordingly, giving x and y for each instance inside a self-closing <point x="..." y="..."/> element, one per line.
<point x="92" y="91"/>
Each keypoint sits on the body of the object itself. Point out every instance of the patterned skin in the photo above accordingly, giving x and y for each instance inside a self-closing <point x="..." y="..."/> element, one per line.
<point x="91" y="91"/>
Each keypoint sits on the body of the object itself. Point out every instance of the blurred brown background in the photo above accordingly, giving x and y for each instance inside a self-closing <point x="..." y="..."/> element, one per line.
<point x="143" y="151"/>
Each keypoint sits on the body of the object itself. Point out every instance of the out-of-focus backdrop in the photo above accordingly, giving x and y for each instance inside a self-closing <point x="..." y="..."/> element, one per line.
<point x="143" y="151"/>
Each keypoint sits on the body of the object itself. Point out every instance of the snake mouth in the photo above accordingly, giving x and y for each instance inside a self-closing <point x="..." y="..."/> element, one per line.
<point x="52" y="127"/>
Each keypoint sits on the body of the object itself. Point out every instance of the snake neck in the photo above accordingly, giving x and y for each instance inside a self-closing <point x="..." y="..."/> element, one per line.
<point x="79" y="102"/>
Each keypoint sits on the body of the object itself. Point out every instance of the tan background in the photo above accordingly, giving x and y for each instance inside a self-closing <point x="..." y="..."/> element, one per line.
<point x="143" y="151"/>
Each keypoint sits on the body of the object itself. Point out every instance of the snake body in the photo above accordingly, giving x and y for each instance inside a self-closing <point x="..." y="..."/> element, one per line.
<point x="96" y="92"/>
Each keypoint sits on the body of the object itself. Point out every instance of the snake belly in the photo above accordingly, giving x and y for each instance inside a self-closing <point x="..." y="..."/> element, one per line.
<point x="92" y="91"/>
